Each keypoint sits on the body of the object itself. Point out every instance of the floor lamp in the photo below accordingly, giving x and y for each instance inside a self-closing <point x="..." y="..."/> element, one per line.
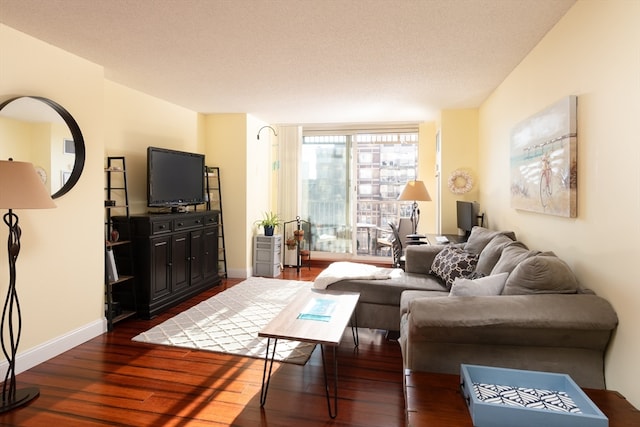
<point x="416" y="191"/>
<point x="20" y="188"/>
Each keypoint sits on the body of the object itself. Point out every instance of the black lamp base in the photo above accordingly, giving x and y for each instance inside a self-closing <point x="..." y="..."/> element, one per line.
<point x="22" y="397"/>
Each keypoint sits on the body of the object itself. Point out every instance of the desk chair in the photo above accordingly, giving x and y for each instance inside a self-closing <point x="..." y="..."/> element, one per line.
<point x="405" y="227"/>
<point x="384" y="241"/>
<point x="397" y="250"/>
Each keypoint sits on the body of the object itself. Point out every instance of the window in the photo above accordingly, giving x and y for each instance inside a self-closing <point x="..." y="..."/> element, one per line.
<point x="325" y="191"/>
<point x="350" y="183"/>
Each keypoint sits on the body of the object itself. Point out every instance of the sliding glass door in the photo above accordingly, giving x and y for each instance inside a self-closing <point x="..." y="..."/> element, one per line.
<point x="350" y="183"/>
<point x="325" y="191"/>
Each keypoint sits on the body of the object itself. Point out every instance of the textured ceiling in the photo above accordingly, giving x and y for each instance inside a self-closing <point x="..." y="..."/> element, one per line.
<point x="299" y="61"/>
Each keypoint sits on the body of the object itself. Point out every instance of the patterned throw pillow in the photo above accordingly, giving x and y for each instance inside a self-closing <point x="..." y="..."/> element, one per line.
<point x="452" y="262"/>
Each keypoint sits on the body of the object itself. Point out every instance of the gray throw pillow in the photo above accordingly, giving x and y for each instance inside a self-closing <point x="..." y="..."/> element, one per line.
<point x="452" y="262"/>
<point x="480" y="237"/>
<point x="512" y="255"/>
<point x="485" y="286"/>
<point x="541" y="274"/>
<point x="491" y="254"/>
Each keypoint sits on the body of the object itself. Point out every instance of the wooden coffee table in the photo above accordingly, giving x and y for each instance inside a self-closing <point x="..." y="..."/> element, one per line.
<point x="314" y="316"/>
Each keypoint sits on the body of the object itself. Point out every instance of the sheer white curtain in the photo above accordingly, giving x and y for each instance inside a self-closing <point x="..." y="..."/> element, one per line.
<point x="289" y="152"/>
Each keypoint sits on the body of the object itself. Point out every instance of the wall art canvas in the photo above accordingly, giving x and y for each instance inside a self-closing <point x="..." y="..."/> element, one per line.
<point x="544" y="168"/>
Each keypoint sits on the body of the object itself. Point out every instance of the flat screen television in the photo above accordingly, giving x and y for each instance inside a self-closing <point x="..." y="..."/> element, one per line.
<point x="467" y="216"/>
<point x="174" y="178"/>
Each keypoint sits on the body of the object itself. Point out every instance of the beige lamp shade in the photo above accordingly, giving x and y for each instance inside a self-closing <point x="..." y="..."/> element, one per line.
<point x="416" y="191"/>
<point x="21" y="187"/>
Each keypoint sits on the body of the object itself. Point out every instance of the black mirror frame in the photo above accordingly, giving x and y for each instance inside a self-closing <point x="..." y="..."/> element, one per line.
<point x="76" y="134"/>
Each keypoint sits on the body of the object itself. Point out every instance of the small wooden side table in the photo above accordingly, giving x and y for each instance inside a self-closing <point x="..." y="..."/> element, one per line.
<point x="435" y="400"/>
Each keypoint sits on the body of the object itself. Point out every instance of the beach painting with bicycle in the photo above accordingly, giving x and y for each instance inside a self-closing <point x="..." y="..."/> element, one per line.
<point x="544" y="168"/>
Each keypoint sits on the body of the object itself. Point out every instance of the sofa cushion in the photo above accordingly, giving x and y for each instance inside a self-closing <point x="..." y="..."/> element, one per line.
<point x="541" y="274"/>
<point x="485" y="286"/>
<point x="480" y="237"/>
<point x="419" y="258"/>
<point x="452" y="262"/>
<point x="388" y="291"/>
<point x="491" y="254"/>
<point x="512" y="255"/>
<point x="408" y="296"/>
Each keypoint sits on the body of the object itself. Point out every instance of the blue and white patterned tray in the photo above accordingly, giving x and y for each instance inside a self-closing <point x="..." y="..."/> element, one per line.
<point x="500" y="397"/>
<point x="526" y="397"/>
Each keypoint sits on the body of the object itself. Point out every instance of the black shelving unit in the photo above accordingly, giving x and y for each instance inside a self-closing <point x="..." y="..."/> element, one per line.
<point x="214" y="202"/>
<point x="120" y="291"/>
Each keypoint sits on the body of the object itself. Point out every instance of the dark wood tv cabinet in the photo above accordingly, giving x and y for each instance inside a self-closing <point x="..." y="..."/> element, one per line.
<point x="175" y="257"/>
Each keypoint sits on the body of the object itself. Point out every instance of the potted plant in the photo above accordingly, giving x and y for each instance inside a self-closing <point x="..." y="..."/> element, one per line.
<point x="269" y="223"/>
<point x="291" y="243"/>
<point x="299" y="234"/>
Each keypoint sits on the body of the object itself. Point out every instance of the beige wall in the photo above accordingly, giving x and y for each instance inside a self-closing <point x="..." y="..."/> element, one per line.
<point x="137" y="121"/>
<point x="14" y="132"/>
<point x="259" y="177"/>
<point x="459" y="146"/>
<point x="244" y="163"/>
<point x="40" y="143"/>
<point x="426" y="173"/>
<point x="60" y="267"/>
<point x="226" y="135"/>
<point x="593" y="52"/>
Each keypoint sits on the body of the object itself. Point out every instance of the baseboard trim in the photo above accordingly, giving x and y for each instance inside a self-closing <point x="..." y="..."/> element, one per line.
<point x="237" y="273"/>
<point x="52" y="348"/>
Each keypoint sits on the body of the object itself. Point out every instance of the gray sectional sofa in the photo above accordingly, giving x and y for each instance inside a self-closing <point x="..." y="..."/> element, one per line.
<point x="491" y="301"/>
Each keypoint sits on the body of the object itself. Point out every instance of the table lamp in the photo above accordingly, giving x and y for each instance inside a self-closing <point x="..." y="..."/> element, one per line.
<point x="20" y="188"/>
<point x="416" y="191"/>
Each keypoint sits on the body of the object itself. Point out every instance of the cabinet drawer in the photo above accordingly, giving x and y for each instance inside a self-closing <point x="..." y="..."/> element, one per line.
<point x="272" y="257"/>
<point x="159" y="227"/>
<point x="211" y="219"/>
<point x="268" y="242"/>
<point x="266" y="269"/>
<point x="184" y="223"/>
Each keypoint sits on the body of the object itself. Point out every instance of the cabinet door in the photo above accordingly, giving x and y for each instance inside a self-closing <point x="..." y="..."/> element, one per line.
<point x="160" y="281"/>
<point x="196" y="256"/>
<point x="180" y="261"/>
<point x="210" y="262"/>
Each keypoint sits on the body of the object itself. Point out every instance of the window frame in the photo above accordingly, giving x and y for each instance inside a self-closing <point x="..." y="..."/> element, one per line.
<point x="355" y="137"/>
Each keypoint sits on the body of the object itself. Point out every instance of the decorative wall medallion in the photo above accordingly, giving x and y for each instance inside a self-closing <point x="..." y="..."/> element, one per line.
<point x="460" y="182"/>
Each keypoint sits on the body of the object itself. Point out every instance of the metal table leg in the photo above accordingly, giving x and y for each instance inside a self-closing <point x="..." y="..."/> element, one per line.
<point x="265" y="384"/>
<point x="354" y="328"/>
<point x="332" y="413"/>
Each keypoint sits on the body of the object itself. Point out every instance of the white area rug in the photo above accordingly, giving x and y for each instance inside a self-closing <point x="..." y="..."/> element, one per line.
<point x="229" y="322"/>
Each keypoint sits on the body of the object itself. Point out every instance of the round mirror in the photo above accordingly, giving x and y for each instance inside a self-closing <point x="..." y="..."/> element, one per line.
<point x="39" y="130"/>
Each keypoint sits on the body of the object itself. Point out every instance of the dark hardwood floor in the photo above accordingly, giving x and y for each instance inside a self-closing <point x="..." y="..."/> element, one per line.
<point x="113" y="381"/>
